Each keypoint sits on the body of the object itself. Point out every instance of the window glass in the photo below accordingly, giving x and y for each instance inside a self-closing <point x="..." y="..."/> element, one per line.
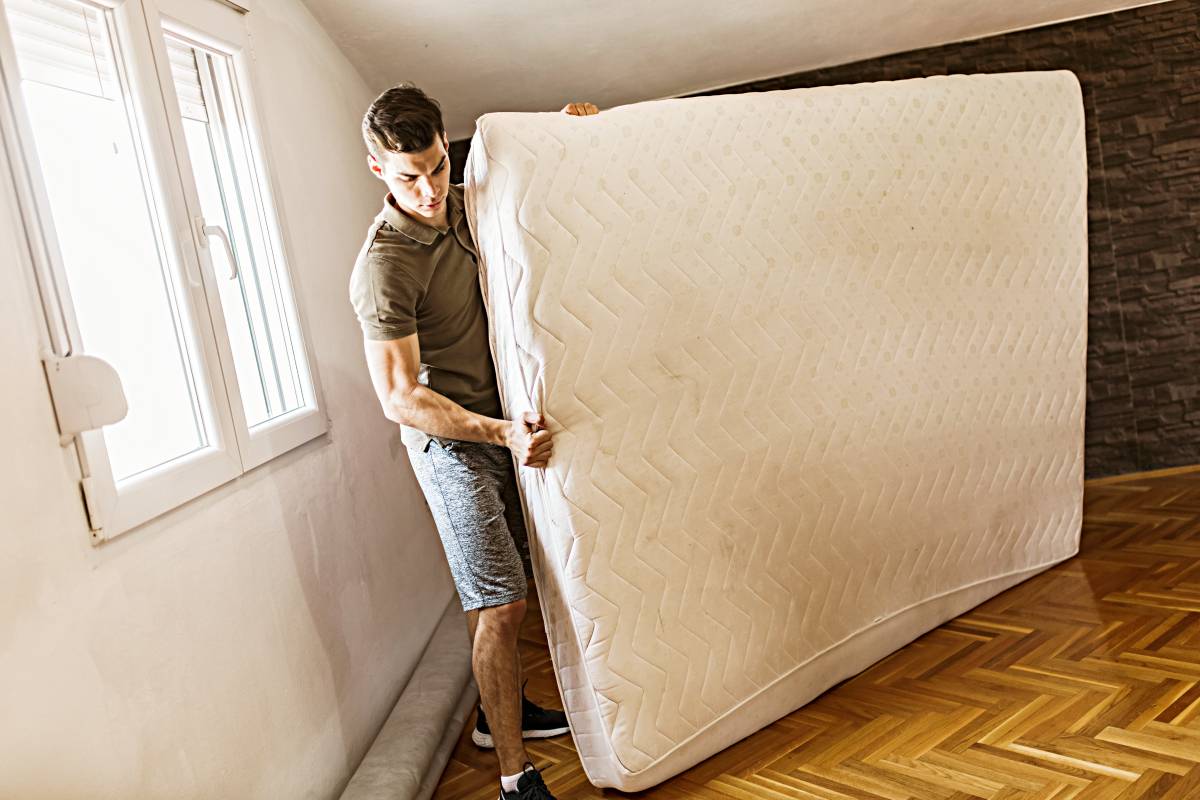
<point x="108" y="227"/>
<point x="253" y="298"/>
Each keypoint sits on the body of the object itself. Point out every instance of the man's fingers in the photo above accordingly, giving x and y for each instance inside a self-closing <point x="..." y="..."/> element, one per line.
<point x="580" y="109"/>
<point x="533" y="420"/>
<point x="541" y="442"/>
<point x="540" y="451"/>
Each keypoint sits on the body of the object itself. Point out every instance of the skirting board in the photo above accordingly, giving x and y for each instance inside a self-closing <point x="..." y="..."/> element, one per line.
<point x="407" y="757"/>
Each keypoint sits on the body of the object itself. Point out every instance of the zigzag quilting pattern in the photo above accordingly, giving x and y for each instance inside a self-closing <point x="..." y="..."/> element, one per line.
<point x="815" y="364"/>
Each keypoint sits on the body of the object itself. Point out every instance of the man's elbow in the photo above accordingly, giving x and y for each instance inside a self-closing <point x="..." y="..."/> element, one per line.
<point x="400" y="405"/>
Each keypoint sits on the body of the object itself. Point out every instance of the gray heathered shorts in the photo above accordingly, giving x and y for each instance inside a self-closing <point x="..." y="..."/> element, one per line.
<point x="471" y="488"/>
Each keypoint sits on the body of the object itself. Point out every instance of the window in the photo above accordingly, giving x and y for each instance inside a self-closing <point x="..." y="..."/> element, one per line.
<point x="161" y="246"/>
<point x="263" y="348"/>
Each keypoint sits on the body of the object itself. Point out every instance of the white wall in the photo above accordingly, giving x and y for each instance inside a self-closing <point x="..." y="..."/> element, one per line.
<point x="477" y="56"/>
<point x="249" y="644"/>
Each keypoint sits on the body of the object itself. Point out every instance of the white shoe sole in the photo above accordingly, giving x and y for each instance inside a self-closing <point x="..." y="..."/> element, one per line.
<point x="485" y="739"/>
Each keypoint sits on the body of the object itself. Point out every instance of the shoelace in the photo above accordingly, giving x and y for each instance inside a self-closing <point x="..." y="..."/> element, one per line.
<point x="535" y="787"/>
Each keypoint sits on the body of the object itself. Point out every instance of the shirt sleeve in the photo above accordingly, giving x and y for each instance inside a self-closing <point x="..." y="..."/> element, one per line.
<point x="385" y="296"/>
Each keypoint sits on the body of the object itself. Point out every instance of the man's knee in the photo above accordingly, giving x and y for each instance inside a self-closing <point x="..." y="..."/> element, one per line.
<point x="507" y="616"/>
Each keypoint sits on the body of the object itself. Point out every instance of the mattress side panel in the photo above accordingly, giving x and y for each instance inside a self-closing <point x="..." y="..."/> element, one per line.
<point x="508" y="257"/>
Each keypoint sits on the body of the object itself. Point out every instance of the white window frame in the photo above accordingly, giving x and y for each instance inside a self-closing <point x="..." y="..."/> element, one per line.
<point x="216" y="25"/>
<point x="234" y="448"/>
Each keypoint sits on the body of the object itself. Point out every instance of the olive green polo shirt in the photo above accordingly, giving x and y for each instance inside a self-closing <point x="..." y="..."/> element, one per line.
<point x="413" y="278"/>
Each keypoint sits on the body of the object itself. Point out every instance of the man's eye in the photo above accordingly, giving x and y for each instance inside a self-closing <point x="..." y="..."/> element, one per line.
<point x="441" y="167"/>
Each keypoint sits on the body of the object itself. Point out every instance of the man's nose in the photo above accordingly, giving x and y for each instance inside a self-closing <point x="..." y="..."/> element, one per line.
<point x="425" y="186"/>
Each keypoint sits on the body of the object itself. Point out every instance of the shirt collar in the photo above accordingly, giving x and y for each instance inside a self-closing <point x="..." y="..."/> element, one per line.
<point x="419" y="231"/>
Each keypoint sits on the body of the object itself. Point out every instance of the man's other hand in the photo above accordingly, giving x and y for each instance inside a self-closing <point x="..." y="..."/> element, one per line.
<point x="580" y="109"/>
<point x="529" y="440"/>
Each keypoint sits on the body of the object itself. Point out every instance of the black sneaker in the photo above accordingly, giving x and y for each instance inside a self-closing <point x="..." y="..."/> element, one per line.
<point x="530" y="786"/>
<point x="536" y="723"/>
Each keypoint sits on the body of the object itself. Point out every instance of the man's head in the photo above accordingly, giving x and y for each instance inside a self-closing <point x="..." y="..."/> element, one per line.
<point x="407" y="143"/>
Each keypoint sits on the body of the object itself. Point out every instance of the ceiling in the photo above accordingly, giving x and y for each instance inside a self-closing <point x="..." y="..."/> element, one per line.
<point x="477" y="56"/>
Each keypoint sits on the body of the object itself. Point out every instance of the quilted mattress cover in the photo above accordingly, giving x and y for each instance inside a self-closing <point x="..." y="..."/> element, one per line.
<point x="815" y="364"/>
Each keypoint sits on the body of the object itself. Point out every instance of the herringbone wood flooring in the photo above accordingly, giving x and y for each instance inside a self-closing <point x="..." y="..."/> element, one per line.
<point x="1082" y="683"/>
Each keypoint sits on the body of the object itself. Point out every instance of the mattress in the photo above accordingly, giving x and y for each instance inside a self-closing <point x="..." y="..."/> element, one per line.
<point x="814" y="361"/>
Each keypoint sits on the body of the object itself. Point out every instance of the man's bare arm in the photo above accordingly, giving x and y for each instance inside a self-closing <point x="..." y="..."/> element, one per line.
<point x="394" y="365"/>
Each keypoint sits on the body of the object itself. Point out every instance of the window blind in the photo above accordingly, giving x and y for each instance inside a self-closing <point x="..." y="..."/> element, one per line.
<point x="186" y="75"/>
<point x="64" y="43"/>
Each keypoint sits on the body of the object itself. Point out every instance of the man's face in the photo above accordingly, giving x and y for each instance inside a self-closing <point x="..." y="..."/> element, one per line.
<point x="418" y="181"/>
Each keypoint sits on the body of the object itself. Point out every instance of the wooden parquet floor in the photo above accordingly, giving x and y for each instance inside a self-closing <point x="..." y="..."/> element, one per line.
<point x="1082" y="683"/>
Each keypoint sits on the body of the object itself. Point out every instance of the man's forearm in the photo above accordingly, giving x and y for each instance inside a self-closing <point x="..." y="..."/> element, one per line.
<point x="437" y="415"/>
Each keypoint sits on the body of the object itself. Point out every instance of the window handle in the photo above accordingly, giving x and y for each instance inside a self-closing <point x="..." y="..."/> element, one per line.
<point x="205" y="231"/>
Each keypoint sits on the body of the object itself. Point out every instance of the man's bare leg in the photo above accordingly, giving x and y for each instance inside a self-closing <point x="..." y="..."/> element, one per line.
<point x="497" y="668"/>
<point x="473" y="622"/>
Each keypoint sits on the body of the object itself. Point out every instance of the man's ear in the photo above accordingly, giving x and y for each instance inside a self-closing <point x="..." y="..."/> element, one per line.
<point x="374" y="165"/>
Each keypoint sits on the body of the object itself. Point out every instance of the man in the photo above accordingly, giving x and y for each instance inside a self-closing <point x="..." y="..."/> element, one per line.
<point x="415" y="290"/>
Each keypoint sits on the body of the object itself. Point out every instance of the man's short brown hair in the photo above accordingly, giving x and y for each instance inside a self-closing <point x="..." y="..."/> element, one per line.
<point x="402" y="120"/>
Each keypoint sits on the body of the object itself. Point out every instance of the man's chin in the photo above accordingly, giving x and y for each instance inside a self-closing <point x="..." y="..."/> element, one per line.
<point x="420" y="211"/>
